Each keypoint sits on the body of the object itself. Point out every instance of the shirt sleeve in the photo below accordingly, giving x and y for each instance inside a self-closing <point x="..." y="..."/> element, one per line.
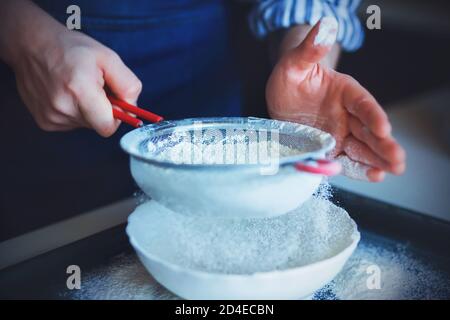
<point x="271" y="15"/>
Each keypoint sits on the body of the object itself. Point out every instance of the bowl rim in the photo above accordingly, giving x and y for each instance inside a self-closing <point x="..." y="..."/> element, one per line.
<point x="131" y="139"/>
<point x="355" y="238"/>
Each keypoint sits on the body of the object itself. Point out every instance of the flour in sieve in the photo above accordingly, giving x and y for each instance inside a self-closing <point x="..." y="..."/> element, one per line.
<point x="234" y="149"/>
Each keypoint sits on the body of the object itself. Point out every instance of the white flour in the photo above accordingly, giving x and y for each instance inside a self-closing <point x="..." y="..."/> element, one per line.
<point x="315" y="231"/>
<point x="403" y="274"/>
<point x="260" y="191"/>
<point x="123" y="279"/>
<point x="233" y="149"/>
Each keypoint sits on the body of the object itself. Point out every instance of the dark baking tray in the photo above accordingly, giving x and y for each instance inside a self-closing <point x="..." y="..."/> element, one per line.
<point x="409" y="251"/>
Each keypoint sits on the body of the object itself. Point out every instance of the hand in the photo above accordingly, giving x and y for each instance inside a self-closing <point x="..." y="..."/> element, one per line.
<point x="62" y="82"/>
<point x="303" y="90"/>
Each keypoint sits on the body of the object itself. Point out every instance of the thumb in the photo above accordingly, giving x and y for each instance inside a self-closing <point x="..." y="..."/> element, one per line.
<point x="319" y="41"/>
<point x="123" y="83"/>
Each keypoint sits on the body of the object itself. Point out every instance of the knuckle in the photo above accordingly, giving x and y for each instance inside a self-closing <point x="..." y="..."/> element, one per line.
<point x="364" y="106"/>
<point x="76" y="84"/>
<point x="57" y="102"/>
<point x="74" y="54"/>
<point x="138" y="85"/>
<point x="390" y="149"/>
<point x="348" y="79"/>
<point x="111" y="55"/>
<point x="63" y="105"/>
<point x="135" y="87"/>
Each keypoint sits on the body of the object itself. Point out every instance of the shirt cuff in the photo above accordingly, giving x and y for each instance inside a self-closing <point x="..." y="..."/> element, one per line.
<point x="271" y="15"/>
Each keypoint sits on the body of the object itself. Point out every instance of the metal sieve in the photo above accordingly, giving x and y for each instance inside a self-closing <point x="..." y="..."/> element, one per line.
<point x="230" y="185"/>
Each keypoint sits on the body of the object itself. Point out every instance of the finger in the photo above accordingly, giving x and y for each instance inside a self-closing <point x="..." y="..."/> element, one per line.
<point x="123" y="83"/>
<point x="96" y="109"/>
<point x="358" y="171"/>
<point x="360" y="103"/>
<point x="318" y="42"/>
<point x="375" y="175"/>
<point x="386" y="148"/>
<point x="358" y="151"/>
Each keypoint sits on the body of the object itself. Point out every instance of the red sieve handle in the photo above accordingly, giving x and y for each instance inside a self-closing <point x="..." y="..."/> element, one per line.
<point x="322" y="166"/>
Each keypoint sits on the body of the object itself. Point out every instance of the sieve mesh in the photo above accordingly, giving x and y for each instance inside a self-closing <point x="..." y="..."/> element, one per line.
<point x="224" y="135"/>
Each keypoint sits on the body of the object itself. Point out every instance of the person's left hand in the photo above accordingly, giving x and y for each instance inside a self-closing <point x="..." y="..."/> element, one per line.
<point x="301" y="89"/>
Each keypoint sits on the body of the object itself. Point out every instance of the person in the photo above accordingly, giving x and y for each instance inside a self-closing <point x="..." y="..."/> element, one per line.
<point x="175" y="57"/>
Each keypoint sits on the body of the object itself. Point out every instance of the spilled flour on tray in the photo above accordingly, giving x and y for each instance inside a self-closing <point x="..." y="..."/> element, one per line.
<point x="404" y="274"/>
<point x="124" y="278"/>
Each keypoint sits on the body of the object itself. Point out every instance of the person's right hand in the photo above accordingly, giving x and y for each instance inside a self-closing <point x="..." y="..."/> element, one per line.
<point x="63" y="82"/>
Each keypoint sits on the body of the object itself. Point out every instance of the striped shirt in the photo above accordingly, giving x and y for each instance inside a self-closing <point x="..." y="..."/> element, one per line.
<point x="270" y="15"/>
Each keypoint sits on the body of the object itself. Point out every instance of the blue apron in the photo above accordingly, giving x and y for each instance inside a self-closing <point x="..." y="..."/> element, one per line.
<point x="180" y="51"/>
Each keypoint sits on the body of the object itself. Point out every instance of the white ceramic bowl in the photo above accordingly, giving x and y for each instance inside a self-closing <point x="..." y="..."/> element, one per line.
<point x="293" y="283"/>
<point x="228" y="190"/>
